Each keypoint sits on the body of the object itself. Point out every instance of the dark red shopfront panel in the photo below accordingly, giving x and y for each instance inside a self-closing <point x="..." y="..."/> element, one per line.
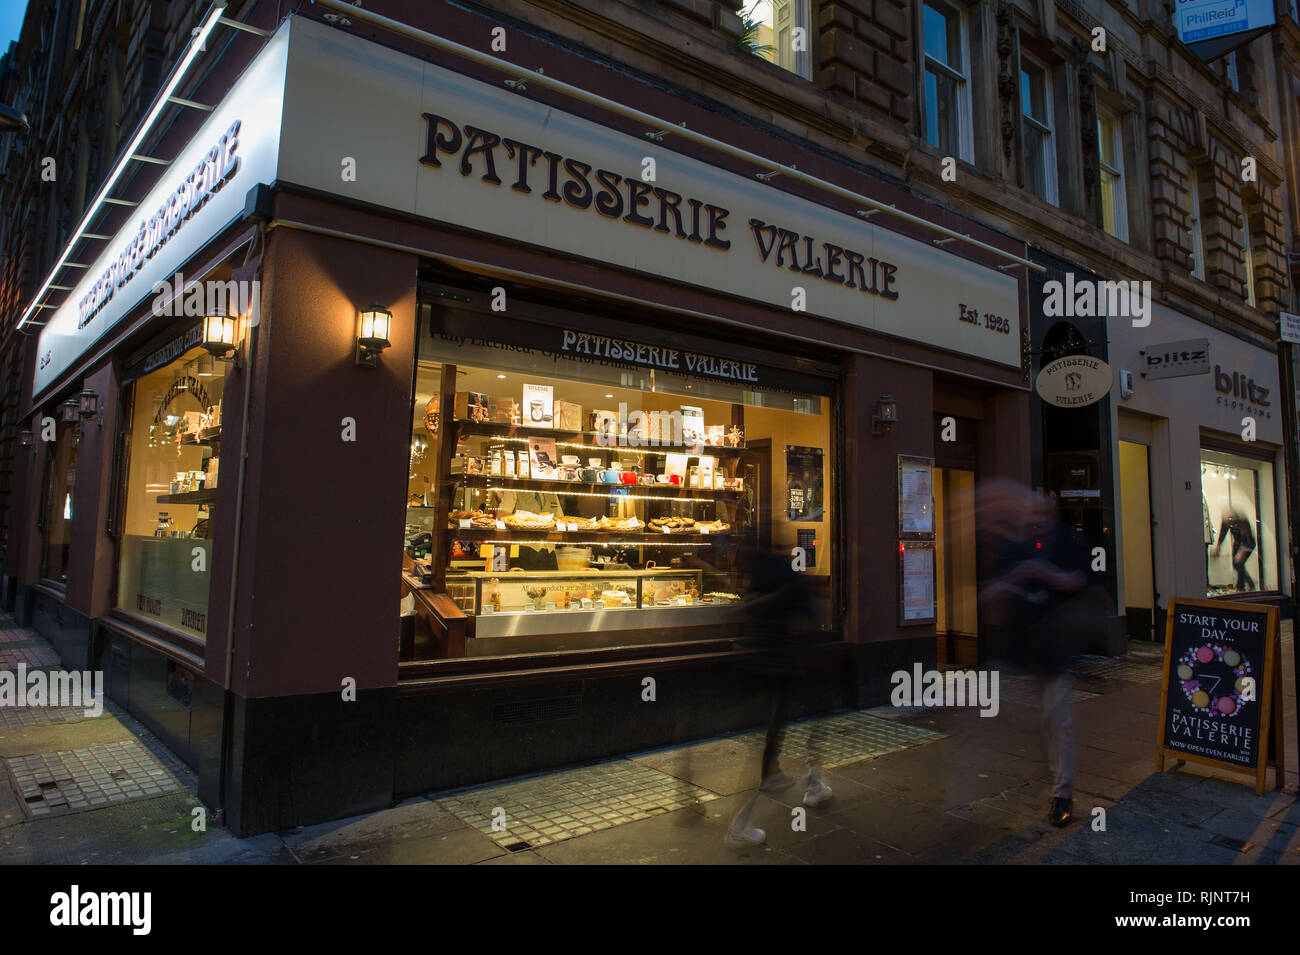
<point x="320" y="560"/>
<point x="871" y="489"/>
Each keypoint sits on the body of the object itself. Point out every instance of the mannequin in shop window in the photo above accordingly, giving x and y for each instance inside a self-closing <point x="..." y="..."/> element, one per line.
<point x="1237" y="524"/>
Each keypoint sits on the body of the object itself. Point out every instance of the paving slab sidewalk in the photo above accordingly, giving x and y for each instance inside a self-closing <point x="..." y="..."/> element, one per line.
<point x="954" y="788"/>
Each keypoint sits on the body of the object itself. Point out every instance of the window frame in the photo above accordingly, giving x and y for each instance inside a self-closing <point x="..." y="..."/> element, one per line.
<point x="1051" y="191"/>
<point x="965" y="128"/>
<point x="1248" y="253"/>
<point x="1194" y="214"/>
<point x="1109" y="117"/>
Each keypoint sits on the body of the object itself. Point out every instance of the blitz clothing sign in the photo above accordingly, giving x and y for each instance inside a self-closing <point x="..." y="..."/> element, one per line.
<point x="1191" y="357"/>
<point x="447" y="148"/>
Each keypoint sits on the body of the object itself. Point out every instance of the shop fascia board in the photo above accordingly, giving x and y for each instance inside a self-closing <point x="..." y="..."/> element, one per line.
<point x="173" y="82"/>
<point x="657" y="127"/>
<point x="128" y="269"/>
<point x="343" y="87"/>
<point x="262" y="158"/>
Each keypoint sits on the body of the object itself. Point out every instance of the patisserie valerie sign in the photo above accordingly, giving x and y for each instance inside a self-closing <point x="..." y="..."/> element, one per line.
<point x="450" y="149"/>
<point x="199" y="194"/>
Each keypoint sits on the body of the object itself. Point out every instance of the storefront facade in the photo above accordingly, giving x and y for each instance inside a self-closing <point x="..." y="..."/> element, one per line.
<point x="612" y="368"/>
<point x="1200" y="473"/>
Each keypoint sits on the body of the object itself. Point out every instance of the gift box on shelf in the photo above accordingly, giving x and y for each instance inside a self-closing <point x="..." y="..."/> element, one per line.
<point x="471" y="406"/>
<point x="568" y="416"/>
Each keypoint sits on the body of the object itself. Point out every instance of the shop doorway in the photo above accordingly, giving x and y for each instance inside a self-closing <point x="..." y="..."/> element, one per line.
<point x="957" y="594"/>
<point x="1135" y="517"/>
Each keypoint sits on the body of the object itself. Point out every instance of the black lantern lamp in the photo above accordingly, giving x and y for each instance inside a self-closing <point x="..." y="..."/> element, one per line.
<point x="885" y="416"/>
<point x="26" y="438"/>
<point x="373" y="323"/>
<point x="221" y="336"/>
<point x="88" y="407"/>
<point x="70" y="411"/>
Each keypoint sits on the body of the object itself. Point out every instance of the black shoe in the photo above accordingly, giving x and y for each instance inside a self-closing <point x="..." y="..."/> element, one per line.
<point x="1061" y="813"/>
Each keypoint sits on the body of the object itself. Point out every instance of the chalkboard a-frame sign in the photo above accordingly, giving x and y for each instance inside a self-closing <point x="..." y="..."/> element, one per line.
<point x="1221" y="699"/>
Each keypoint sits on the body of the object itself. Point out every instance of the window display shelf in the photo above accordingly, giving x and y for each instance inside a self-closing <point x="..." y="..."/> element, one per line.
<point x="572" y="439"/>
<point x="670" y="492"/>
<point x="626" y="538"/>
<point x="206" y="496"/>
<point x="204" y="438"/>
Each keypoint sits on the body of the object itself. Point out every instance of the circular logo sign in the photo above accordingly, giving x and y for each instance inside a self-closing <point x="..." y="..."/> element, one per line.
<point x="1075" y="381"/>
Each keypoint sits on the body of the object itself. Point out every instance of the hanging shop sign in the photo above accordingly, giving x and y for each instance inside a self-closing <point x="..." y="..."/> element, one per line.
<point x="452" y="149"/>
<point x="1075" y="381"/>
<point x="201" y="192"/>
<point x="1220" y="702"/>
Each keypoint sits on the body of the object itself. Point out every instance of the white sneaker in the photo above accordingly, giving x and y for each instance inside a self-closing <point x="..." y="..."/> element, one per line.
<point x="817" y="794"/>
<point x="740" y="838"/>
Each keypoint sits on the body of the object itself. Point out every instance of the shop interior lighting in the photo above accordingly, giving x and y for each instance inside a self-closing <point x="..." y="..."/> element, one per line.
<point x="630" y="449"/>
<point x="373" y="323"/>
<point x="517" y="83"/>
<point x="192" y="52"/>
<point x="622" y="497"/>
<point x="648" y="541"/>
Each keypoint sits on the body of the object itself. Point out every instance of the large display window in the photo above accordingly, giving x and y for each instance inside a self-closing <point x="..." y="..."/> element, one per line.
<point x="173" y="455"/>
<point x="1239" y="523"/>
<point x="565" y="499"/>
<point x="57" y="504"/>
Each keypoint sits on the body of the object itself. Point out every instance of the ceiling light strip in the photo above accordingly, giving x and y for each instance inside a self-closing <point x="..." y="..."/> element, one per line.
<point x="192" y="52"/>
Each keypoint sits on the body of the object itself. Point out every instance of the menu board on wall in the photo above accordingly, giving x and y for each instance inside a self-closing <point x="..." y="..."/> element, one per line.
<point x="804" y="483"/>
<point x="1220" y="699"/>
<point x="916" y="600"/>
<point x="915" y="496"/>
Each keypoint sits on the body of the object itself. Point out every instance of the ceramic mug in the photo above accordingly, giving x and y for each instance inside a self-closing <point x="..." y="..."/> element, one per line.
<point x="609" y="477"/>
<point x="675" y="479"/>
<point x="590" y="475"/>
<point x="570" y="460"/>
<point x="661" y="478"/>
<point x="595" y="462"/>
<point x="628" y="477"/>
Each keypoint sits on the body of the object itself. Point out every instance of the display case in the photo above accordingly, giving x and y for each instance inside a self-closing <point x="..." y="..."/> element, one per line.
<point x="519" y="603"/>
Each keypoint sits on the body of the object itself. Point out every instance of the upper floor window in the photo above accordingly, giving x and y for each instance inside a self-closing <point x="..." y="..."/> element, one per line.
<point x="1192" y="209"/>
<point x="947" y="94"/>
<point x="1036" y="131"/>
<point x="778" y="31"/>
<point x="1110" y="148"/>
<point x="1248" y="253"/>
<point x="1230" y="71"/>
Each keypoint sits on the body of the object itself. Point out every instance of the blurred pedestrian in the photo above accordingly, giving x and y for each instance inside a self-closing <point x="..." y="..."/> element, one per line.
<point x="777" y="625"/>
<point x="1038" y="598"/>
